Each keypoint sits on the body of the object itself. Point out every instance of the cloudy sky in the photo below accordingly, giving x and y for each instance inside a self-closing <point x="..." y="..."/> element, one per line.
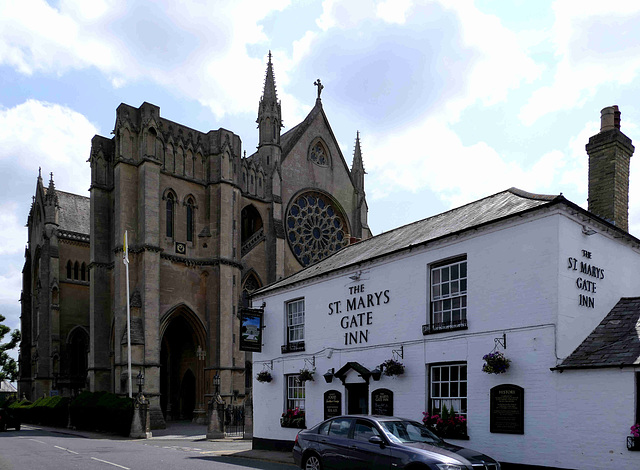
<point x="454" y="100"/>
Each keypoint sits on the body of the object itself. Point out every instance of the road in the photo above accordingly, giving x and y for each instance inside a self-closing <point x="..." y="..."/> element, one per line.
<point x="46" y="449"/>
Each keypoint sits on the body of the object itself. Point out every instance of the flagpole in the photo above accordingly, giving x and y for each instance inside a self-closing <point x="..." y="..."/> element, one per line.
<point x="125" y="260"/>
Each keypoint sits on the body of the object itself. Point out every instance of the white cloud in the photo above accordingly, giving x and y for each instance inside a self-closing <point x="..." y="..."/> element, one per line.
<point x="14" y="234"/>
<point x="502" y="64"/>
<point x="192" y="48"/>
<point x="596" y="43"/>
<point x="35" y="132"/>
<point x="10" y="286"/>
<point x="394" y="11"/>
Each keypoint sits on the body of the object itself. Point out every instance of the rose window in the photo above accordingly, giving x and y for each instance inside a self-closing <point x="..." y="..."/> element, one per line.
<point x="315" y="228"/>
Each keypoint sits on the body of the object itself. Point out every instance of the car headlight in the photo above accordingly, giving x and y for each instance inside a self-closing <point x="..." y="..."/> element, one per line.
<point x="450" y="466"/>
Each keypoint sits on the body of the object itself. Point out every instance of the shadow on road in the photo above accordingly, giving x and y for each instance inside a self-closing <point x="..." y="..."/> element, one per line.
<point x="246" y="463"/>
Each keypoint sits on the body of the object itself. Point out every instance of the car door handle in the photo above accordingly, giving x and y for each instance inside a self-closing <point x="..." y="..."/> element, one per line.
<point x="353" y="447"/>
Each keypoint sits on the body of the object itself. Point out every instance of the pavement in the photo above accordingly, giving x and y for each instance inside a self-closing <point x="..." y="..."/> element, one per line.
<point x="190" y="436"/>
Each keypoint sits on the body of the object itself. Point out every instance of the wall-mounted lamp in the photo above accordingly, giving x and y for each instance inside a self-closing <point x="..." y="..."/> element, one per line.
<point x="216" y="384"/>
<point x="356" y="276"/>
<point x="328" y="376"/>
<point x="376" y="373"/>
<point x="140" y="379"/>
<point x="588" y="231"/>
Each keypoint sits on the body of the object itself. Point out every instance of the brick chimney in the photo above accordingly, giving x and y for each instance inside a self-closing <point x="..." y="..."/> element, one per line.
<point x="609" y="154"/>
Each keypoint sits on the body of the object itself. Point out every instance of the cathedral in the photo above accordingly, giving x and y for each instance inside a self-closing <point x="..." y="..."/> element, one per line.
<point x="206" y="225"/>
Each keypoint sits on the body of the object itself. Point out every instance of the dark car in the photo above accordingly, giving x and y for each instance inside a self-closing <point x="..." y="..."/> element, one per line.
<point x="381" y="442"/>
<point x="8" y="420"/>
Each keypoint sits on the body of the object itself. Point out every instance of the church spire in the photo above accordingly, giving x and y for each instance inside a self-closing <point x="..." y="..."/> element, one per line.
<point x="269" y="93"/>
<point x="269" y="118"/>
<point x="357" y="167"/>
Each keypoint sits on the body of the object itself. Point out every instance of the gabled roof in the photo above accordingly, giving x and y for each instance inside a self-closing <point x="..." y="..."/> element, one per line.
<point x="615" y="342"/>
<point x="74" y="215"/>
<point x="7" y="387"/>
<point x="291" y="137"/>
<point x="484" y="211"/>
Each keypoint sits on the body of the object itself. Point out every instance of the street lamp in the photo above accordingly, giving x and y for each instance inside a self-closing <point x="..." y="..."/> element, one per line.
<point x="216" y="384"/>
<point x="140" y="379"/>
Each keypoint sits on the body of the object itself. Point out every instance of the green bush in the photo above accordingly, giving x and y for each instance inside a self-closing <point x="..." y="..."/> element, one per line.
<point x="102" y="411"/>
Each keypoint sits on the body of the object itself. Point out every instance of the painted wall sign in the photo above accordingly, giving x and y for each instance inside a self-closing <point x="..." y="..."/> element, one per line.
<point x="382" y="402"/>
<point x="251" y="329"/>
<point x="332" y="404"/>
<point x="356" y="318"/>
<point x="586" y="282"/>
<point x="507" y="409"/>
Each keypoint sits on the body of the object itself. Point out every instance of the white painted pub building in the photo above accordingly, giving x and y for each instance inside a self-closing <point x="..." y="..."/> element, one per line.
<point x="552" y="286"/>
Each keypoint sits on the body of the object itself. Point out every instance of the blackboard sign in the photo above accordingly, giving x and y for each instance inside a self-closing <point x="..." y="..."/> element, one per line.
<point x="382" y="402"/>
<point x="332" y="404"/>
<point x="507" y="409"/>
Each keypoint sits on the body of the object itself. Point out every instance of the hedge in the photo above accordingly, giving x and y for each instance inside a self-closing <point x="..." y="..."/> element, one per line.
<point x="102" y="411"/>
<point x="93" y="411"/>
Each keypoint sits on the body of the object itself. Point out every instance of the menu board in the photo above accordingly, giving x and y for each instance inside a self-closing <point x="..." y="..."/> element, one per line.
<point x="507" y="409"/>
<point x="332" y="404"/>
<point x="382" y="402"/>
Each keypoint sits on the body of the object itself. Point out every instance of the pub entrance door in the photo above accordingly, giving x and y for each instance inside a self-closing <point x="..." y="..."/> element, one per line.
<point x="357" y="398"/>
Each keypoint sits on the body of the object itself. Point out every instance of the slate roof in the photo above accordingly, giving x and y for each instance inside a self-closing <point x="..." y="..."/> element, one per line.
<point x="74" y="215"/>
<point x="7" y="387"/>
<point x="614" y="342"/>
<point x="490" y="209"/>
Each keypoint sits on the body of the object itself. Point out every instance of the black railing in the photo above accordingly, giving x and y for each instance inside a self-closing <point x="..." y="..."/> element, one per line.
<point x="292" y="347"/>
<point x="233" y="420"/>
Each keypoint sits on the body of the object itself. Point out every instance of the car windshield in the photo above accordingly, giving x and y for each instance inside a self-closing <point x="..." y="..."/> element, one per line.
<point x="409" y="431"/>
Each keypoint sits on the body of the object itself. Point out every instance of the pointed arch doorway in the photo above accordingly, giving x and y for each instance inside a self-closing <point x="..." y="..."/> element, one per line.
<point x="181" y="367"/>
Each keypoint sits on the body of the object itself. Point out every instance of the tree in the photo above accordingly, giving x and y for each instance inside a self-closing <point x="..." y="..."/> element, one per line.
<point x="8" y="365"/>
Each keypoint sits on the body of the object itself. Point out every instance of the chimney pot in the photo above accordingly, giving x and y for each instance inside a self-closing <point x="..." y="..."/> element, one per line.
<point x="609" y="118"/>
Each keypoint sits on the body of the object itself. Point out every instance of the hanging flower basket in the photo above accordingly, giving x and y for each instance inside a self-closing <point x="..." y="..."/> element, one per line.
<point x="633" y="441"/>
<point x="391" y="367"/>
<point x="495" y="363"/>
<point x="264" y="376"/>
<point x="293" y="419"/>
<point x="305" y="374"/>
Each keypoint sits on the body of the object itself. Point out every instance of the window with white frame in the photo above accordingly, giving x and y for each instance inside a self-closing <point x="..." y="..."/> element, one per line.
<point x="449" y="295"/>
<point x="295" y="393"/>
<point x="448" y="387"/>
<point x="295" y="321"/>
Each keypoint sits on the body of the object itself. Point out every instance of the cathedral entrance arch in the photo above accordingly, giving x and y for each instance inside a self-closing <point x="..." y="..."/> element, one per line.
<point x="182" y="364"/>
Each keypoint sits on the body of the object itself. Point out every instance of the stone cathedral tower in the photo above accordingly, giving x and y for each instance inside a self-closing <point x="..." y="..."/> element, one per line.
<point x="205" y="227"/>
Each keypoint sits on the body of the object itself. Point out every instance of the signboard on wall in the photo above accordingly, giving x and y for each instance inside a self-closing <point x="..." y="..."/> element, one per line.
<point x="332" y="404"/>
<point x="507" y="409"/>
<point x="382" y="402"/>
<point x="251" y="329"/>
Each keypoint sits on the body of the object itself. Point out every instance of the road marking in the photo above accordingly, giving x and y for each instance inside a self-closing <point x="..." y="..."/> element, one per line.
<point x="36" y="440"/>
<point x="62" y="448"/>
<point x="111" y="463"/>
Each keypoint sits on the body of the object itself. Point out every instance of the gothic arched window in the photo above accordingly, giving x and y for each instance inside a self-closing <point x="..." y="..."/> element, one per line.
<point x="76" y="269"/>
<point x="318" y="153"/>
<point x="83" y="271"/>
<point x="170" y="210"/>
<point x="69" y="269"/>
<point x="190" y="206"/>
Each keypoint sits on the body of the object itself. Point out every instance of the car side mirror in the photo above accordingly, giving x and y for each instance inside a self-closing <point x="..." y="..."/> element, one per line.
<point x="376" y="440"/>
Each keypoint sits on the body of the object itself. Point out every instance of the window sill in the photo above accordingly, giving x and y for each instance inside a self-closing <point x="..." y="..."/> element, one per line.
<point x="444" y="327"/>
<point x="293" y="425"/>
<point x="292" y="347"/>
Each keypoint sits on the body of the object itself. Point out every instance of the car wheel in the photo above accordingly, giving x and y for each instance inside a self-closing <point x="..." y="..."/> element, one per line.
<point x="312" y="462"/>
